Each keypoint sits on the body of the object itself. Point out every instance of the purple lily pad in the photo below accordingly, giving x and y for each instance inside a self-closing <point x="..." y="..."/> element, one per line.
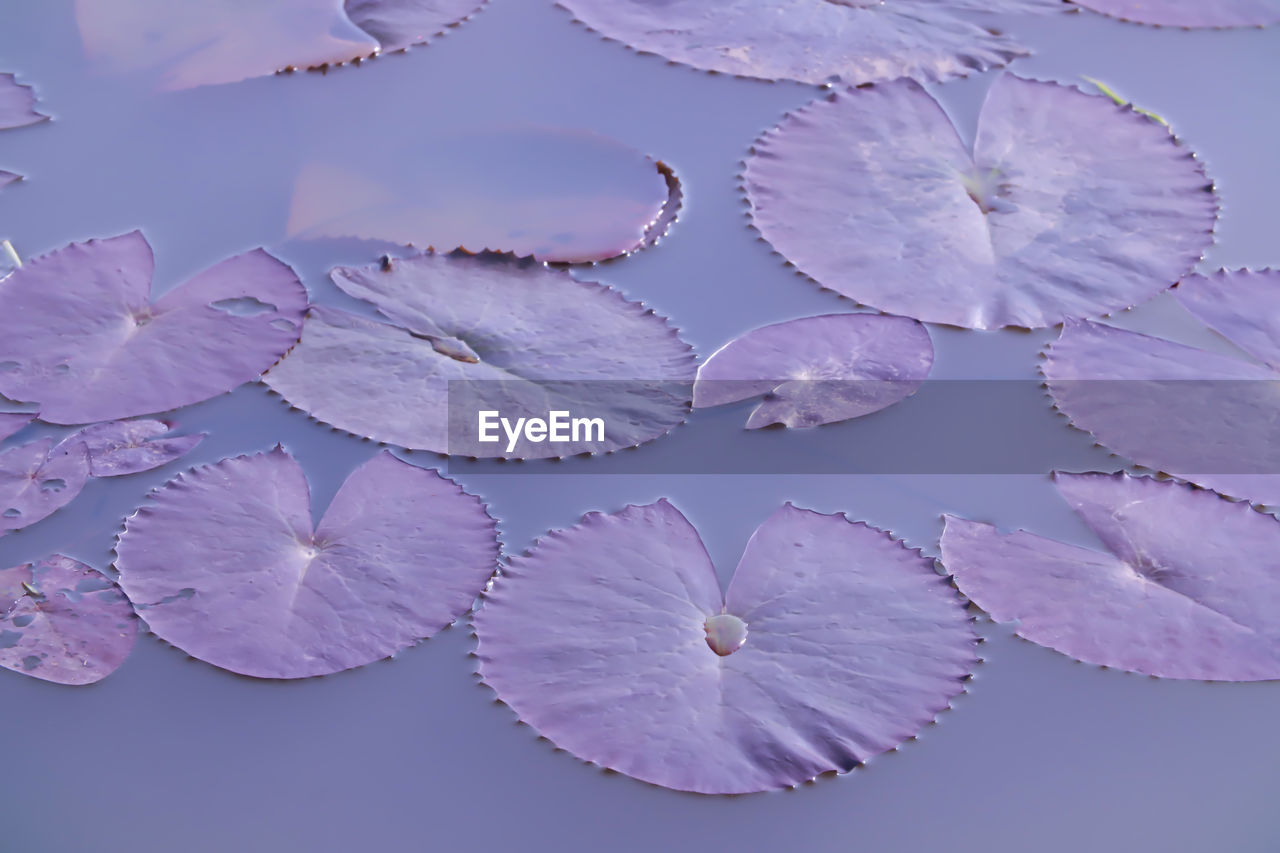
<point x="818" y="370"/>
<point x="37" y="479"/>
<point x="11" y="422"/>
<point x="118" y="448"/>
<point x="223" y="562"/>
<point x="1070" y="206"/>
<point x="63" y="621"/>
<point x="83" y="340"/>
<point x="488" y="332"/>
<point x="558" y="195"/>
<point x="17" y="104"/>
<point x="1188" y="586"/>
<point x="1190" y="13"/>
<point x="1198" y="415"/>
<point x="814" y="41"/>
<point x="833" y="644"/>
<point x="397" y="24"/>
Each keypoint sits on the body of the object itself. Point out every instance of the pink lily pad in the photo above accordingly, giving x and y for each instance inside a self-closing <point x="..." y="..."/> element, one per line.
<point x="63" y="621"/>
<point x="38" y="479"/>
<point x="1070" y="205"/>
<point x="84" y="341"/>
<point x="118" y="448"/>
<point x="1189" y="586"/>
<point x="17" y="104"/>
<point x="1190" y="13"/>
<point x="449" y="350"/>
<point x="224" y="563"/>
<point x="833" y="644"/>
<point x="397" y="24"/>
<point x="818" y="370"/>
<point x="561" y="196"/>
<point x="814" y="41"/>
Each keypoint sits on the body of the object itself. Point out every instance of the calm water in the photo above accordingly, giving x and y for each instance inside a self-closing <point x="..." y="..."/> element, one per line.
<point x="170" y="754"/>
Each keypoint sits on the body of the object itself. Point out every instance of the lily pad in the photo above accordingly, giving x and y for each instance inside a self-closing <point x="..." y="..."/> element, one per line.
<point x="81" y="337"/>
<point x="818" y="370"/>
<point x="833" y="644"/>
<point x="397" y="24"/>
<point x="558" y="195"/>
<point x="814" y="41"/>
<point x="1189" y="586"/>
<point x="17" y="104"/>
<point x="118" y="448"/>
<point x="1189" y="13"/>
<point x="489" y="332"/>
<point x="11" y="422"/>
<point x="224" y="563"/>
<point x="37" y="479"/>
<point x="63" y="621"/>
<point x="1069" y="206"/>
<point x="1198" y="415"/>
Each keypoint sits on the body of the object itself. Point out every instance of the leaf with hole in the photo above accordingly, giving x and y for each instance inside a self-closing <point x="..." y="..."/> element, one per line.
<point x="37" y="479"/>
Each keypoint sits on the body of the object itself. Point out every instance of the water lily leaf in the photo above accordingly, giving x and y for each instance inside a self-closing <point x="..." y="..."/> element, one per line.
<point x="63" y="621"/>
<point x="470" y="333"/>
<point x="1201" y="416"/>
<point x="223" y="562"/>
<point x="11" y="422"/>
<point x="818" y="370"/>
<point x="6" y="178"/>
<point x="117" y="448"/>
<point x="833" y="644"/>
<point x="1189" y="13"/>
<point x="37" y="479"/>
<point x="559" y="195"/>
<point x="1070" y="205"/>
<point x="81" y="337"/>
<point x="814" y="41"/>
<point x="17" y="104"/>
<point x="1189" y="586"/>
<point x="397" y="24"/>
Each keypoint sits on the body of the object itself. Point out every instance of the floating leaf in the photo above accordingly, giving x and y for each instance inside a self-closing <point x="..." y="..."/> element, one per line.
<point x="63" y="621"/>
<point x="117" y="448"/>
<point x="559" y="195"/>
<point x="397" y="24"/>
<point x="6" y="178"/>
<point x="11" y="422"/>
<point x="494" y="333"/>
<point x="1071" y="206"/>
<point x="1189" y="13"/>
<point x="1190" y="587"/>
<point x="80" y="336"/>
<point x="36" y="479"/>
<point x="17" y="104"/>
<point x="818" y="370"/>
<point x="1199" y="415"/>
<point x="814" y="41"/>
<point x="834" y="644"/>
<point x="223" y="562"/>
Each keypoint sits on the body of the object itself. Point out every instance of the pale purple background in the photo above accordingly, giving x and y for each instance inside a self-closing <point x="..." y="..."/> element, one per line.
<point x="170" y="754"/>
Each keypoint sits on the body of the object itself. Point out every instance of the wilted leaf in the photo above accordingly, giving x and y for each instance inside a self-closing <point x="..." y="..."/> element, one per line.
<point x="117" y="448"/>
<point x="561" y="196"/>
<point x="1190" y="587"/>
<point x="63" y="621"/>
<point x="36" y="479"/>
<point x="81" y="337"/>
<point x="1070" y="205"/>
<point x="397" y="24"/>
<point x="512" y="335"/>
<point x="17" y="105"/>
<point x="833" y="644"/>
<point x="818" y="370"/>
<point x="814" y="41"/>
<point x="223" y="562"/>
<point x="1190" y="13"/>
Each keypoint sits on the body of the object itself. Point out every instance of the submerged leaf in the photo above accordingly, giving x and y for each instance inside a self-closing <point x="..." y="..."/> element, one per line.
<point x="63" y="621"/>
<point x="398" y="24"/>
<point x="1190" y="13"/>
<point x="1070" y="205"/>
<point x="223" y="562"/>
<point x="17" y="105"/>
<point x="1205" y="417"/>
<point x="818" y="370"/>
<point x="117" y="448"/>
<point x="559" y="195"/>
<point x="814" y="41"/>
<point x="37" y="479"/>
<point x="487" y="332"/>
<point x="1190" y="587"/>
<point x="833" y="644"/>
<point x="83" y="340"/>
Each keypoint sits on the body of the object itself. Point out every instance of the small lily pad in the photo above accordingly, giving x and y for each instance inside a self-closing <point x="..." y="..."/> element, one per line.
<point x="37" y="479"/>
